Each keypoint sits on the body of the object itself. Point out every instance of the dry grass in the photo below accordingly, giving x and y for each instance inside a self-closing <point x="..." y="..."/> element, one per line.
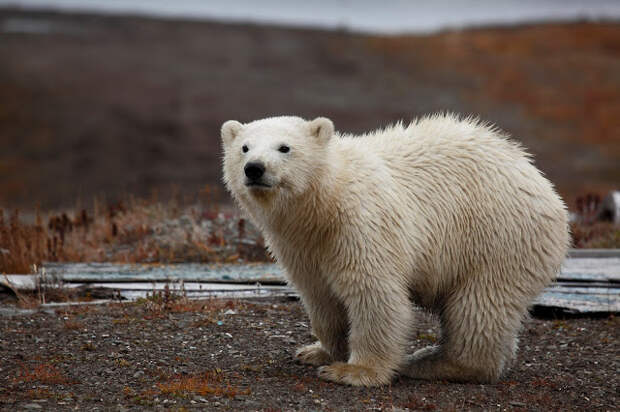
<point x="22" y="245"/>
<point x="133" y="231"/>
<point x="598" y="235"/>
<point x="160" y="303"/>
<point x="588" y="231"/>
<point x="209" y="383"/>
<point x="45" y="373"/>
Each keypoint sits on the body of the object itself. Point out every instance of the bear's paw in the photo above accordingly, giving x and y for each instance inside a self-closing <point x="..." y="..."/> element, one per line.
<point x="355" y="375"/>
<point x="313" y="354"/>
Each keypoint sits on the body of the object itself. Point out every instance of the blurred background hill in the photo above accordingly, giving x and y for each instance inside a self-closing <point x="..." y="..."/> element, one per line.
<point x="94" y="102"/>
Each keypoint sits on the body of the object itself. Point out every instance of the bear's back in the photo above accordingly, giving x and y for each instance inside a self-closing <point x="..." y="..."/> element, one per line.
<point x="458" y="189"/>
<point x="437" y="153"/>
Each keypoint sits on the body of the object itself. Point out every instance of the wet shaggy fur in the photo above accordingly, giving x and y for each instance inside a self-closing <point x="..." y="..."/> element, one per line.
<point x="445" y="213"/>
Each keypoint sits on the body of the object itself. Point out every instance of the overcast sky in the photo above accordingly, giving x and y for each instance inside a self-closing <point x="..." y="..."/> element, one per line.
<point x="379" y="16"/>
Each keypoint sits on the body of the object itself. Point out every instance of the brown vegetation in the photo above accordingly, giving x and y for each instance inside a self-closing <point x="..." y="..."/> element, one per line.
<point x="597" y="235"/>
<point x="208" y="383"/>
<point x="133" y="231"/>
<point x="44" y="373"/>
<point x="588" y="231"/>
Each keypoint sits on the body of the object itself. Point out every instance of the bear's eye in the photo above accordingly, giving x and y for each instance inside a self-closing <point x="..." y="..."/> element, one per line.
<point x="244" y="148"/>
<point x="284" y="149"/>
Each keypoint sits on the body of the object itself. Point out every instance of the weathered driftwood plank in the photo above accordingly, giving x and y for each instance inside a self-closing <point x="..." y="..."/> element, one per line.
<point x="264" y="273"/>
<point x="135" y="290"/>
<point x="19" y="282"/>
<point x="589" y="280"/>
<point x="591" y="269"/>
<point x="575" y="268"/>
<point x="580" y="299"/>
<point x="594" y="253"/>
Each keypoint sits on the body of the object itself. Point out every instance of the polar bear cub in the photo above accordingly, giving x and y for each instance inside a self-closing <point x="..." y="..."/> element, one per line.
<point x="445" y="213"/>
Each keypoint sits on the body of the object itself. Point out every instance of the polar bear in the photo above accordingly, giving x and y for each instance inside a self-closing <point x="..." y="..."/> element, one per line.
<point x="445" y="213"/>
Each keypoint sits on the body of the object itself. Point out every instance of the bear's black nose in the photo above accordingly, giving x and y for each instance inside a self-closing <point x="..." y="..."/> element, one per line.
<point x="254" y="170"/>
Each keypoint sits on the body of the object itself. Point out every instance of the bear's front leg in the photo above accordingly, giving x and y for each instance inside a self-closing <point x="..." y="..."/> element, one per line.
<point x="380" y="317"/>
<point x="328" y="319"/>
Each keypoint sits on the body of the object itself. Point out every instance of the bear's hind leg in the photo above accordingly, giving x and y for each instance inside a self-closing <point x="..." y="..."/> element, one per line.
<point x="479" y="335"/>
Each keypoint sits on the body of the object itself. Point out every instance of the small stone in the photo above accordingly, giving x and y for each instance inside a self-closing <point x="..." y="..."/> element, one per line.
<point x="138" y="374"/>
<point x="32" y="406"/>
<point x="249" y="403"/>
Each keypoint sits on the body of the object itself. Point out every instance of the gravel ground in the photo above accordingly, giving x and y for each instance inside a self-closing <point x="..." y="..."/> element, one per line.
<point x="238" y="355"/>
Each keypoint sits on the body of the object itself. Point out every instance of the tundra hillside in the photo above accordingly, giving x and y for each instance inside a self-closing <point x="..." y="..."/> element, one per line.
<point x="117" y="105"/>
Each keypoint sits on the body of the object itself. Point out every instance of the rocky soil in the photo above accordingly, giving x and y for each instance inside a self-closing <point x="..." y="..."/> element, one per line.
<point x="238" y="355"/>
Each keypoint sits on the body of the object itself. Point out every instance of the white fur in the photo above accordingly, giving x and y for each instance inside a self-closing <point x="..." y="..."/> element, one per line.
<point x="446" y="212"/>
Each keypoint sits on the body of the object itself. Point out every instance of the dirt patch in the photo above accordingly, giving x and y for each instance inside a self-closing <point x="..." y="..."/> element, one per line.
<point x="238" y="355"/>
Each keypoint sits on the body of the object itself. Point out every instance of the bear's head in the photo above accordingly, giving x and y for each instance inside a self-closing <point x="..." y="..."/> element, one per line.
<point x="275" y="159"/>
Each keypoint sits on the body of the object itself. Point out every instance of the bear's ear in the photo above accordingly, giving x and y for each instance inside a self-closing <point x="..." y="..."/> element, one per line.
<point x="322" y="128"/>
<point x="230" y="130"/>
